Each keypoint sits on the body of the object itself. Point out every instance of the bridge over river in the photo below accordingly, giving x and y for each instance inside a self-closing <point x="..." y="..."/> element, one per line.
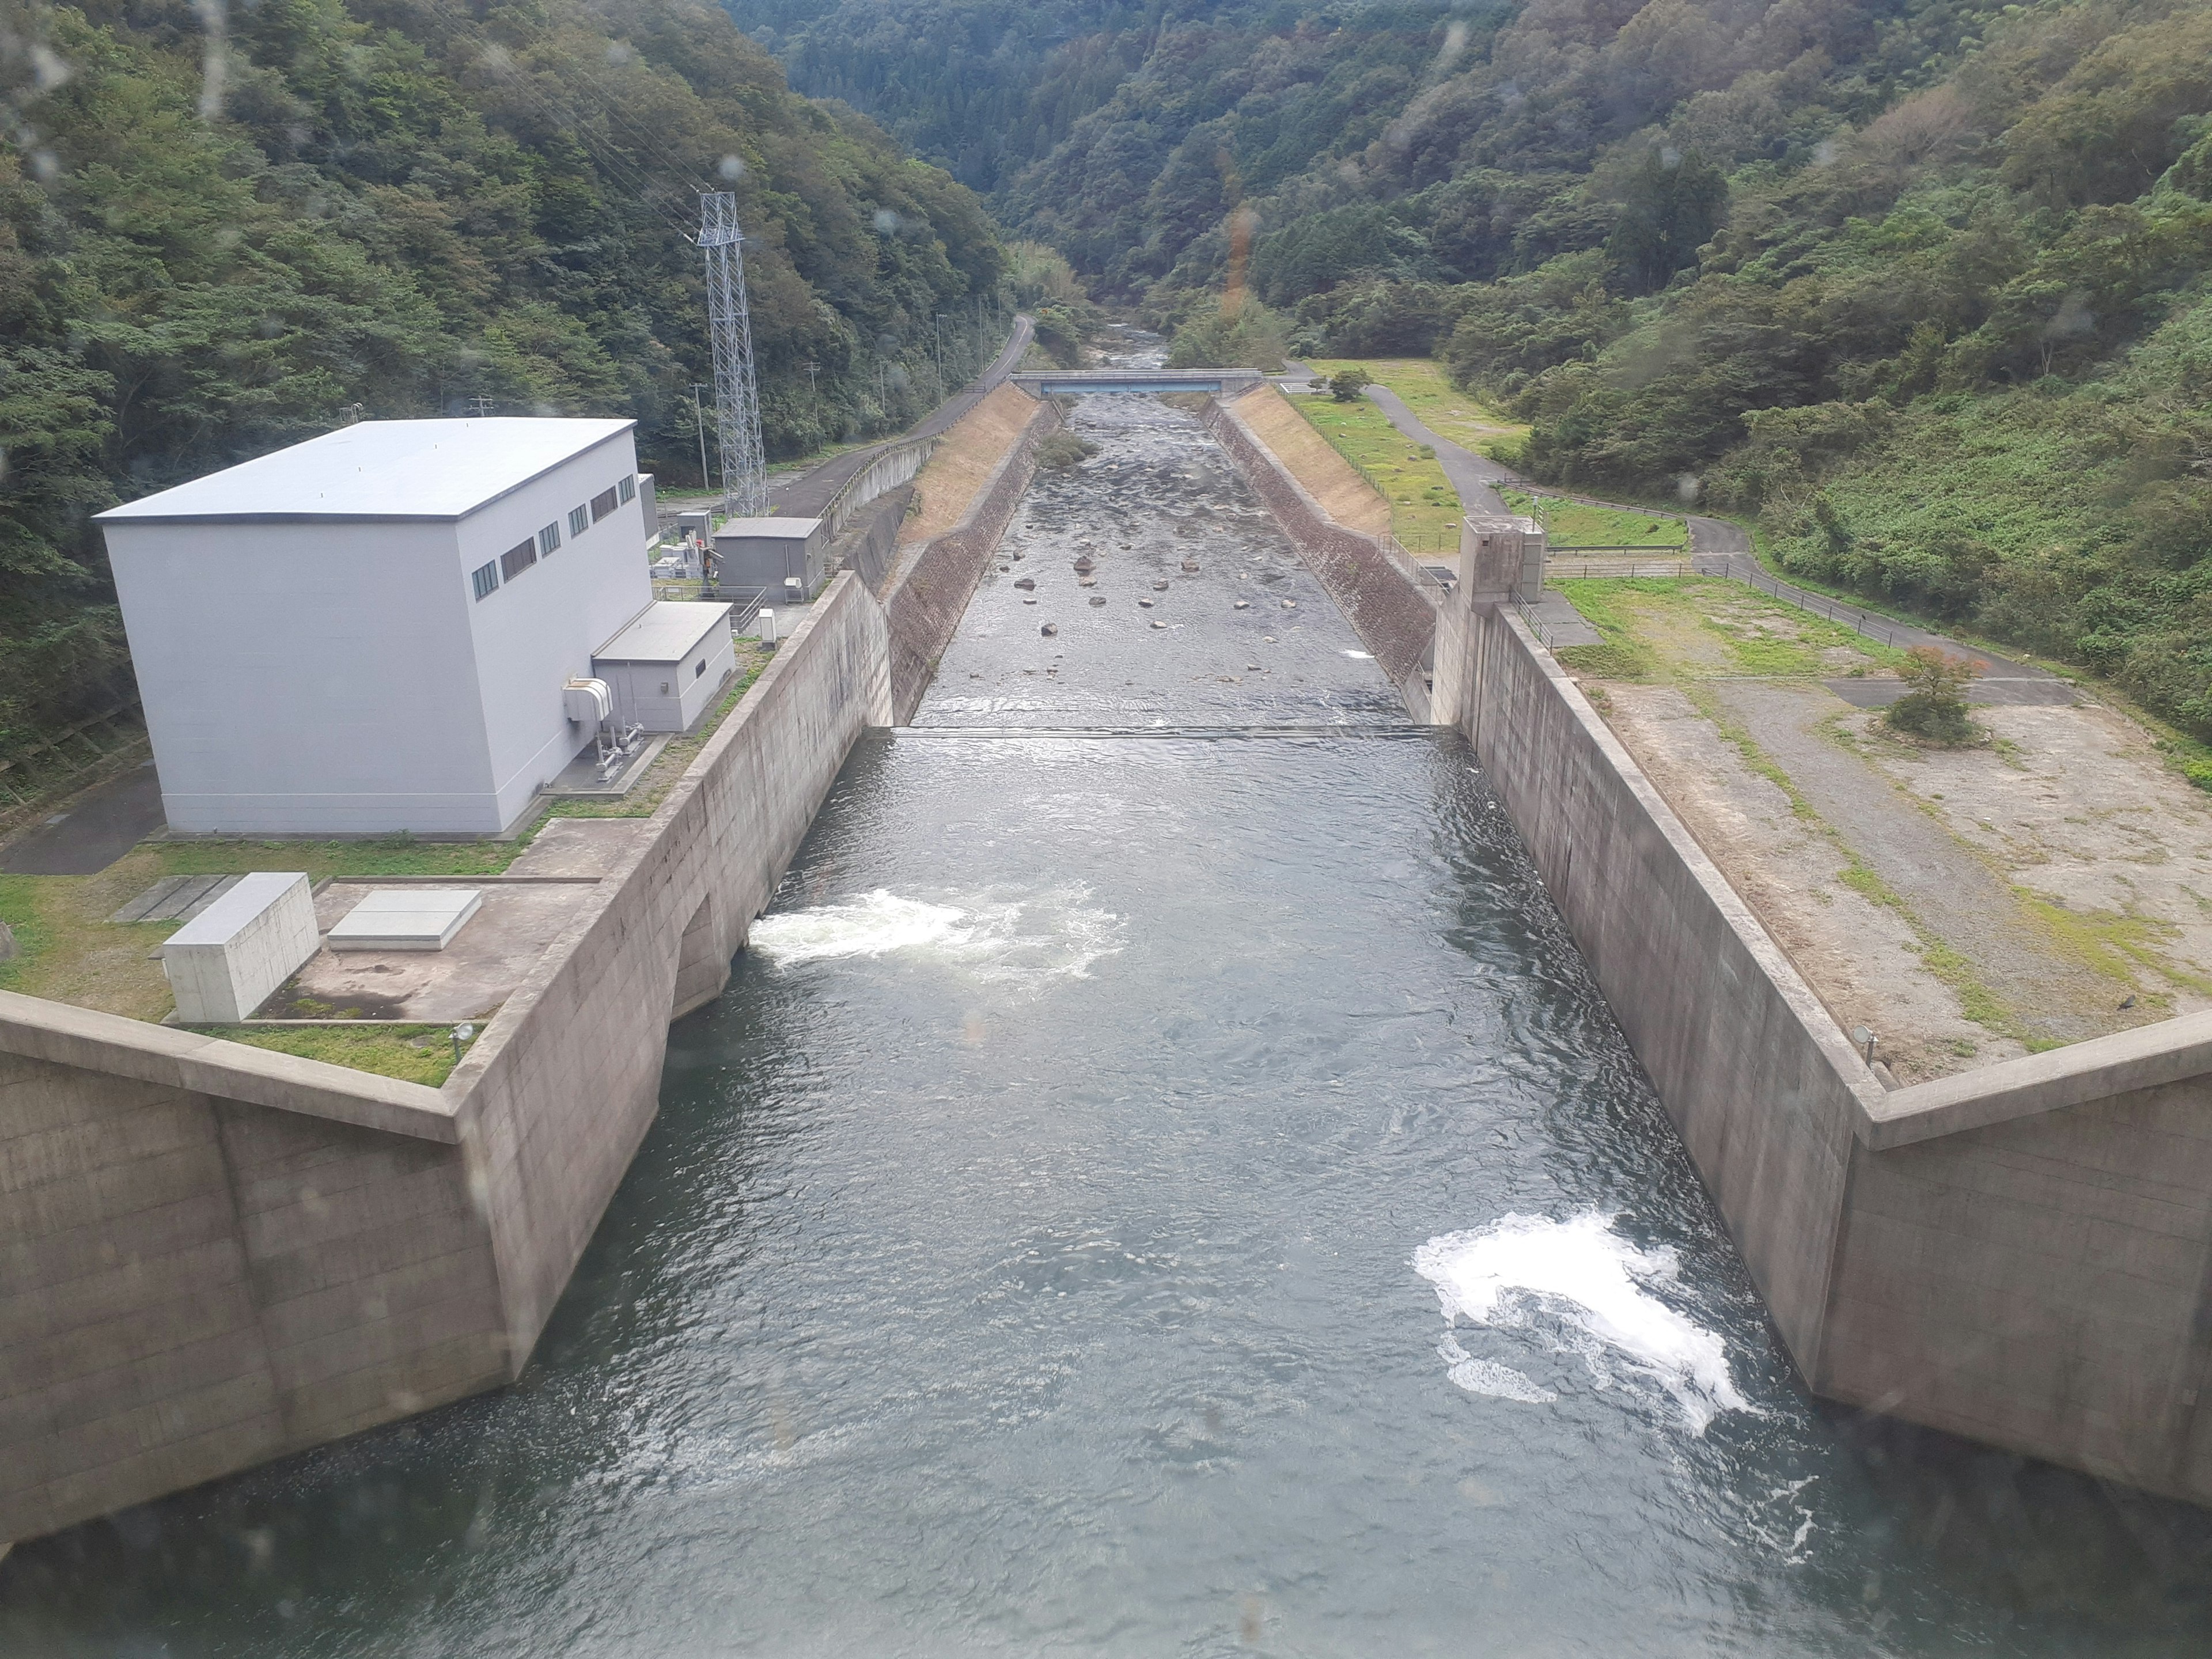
<point x="1162" y="1179"/>
<point x="1076" y="382"/>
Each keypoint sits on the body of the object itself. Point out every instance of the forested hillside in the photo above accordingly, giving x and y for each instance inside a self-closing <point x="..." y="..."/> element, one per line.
<point x="222" y="230"/>
<point x="1920" y="285"/>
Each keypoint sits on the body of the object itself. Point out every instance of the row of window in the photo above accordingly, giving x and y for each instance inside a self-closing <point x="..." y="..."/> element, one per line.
<point x="486" y="578"/>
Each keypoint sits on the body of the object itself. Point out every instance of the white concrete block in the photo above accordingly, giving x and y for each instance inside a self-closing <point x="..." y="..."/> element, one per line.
<point x="224" y="963"/>
<point x="406" y="919"/>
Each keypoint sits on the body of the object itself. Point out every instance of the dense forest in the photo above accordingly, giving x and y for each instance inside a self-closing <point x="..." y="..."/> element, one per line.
<point x="223" y="229"/>
<point x="1919" y="287"/>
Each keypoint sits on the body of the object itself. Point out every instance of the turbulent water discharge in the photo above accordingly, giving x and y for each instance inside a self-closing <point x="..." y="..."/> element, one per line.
<point x="1042" y="1245"/>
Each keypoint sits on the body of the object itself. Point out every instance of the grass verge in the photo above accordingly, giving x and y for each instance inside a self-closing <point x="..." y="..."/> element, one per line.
<point x="1425" y="510"/>
<point x="413" y="1054"/>
<point x="1435" y="402"/>
<point x="1577" y="524"/>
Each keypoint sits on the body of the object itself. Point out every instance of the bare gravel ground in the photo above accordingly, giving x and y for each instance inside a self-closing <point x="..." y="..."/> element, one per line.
<point x="1861" y="957"/>
<point x="2051" y="884"/>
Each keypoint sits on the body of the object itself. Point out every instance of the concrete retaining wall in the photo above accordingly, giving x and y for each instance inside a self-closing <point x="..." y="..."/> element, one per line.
<point x="2021" y="1254"/>
<point x="212" y="1254"/>
<point x="1392" y="617"/>
<point x="930" y="590"/>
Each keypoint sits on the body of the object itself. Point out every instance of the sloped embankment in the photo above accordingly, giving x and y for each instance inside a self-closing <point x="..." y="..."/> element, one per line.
<point x="967" y="496"/>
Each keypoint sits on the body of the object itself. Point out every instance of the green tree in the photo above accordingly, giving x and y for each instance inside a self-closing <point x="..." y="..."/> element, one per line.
<point x="1676" y="201"/>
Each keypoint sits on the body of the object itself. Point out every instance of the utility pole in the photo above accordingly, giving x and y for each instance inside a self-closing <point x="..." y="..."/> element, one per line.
<point x="699" y="421"/>
<point x="940" y="357"/>
<point x="482" y="404"/>
<point x="737" y="393"/>
<point x="813" y="369"/>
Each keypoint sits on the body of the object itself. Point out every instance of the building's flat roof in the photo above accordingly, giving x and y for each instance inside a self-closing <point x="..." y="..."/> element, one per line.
<point x="385" y="469"/>
<point x="665" y="631"/>
<point x="778" y="529"/>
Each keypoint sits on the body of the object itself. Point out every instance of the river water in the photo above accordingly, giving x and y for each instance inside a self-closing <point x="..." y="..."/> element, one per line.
<point x="1161" y="1181"/>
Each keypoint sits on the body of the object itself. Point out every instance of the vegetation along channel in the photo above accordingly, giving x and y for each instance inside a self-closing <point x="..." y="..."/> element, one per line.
<point x="1160" y="1175"/>
<point x="702" y="953"/>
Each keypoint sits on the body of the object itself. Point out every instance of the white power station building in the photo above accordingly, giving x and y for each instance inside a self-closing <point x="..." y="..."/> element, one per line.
<point x="376" y="631"/>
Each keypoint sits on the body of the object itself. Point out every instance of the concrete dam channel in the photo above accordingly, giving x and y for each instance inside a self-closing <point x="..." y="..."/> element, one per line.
<point x="1159" y="1147"/>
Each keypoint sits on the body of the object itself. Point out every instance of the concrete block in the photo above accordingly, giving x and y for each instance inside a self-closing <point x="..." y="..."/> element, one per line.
<point x="224" y="964"/>
<point x="406" y="919"/>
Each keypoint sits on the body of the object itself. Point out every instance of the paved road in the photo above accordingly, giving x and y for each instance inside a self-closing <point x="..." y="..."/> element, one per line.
<point x="1474" y="477"/>
<point x="98" y="828"/>
<point x="803" y="495"/>
<point x="1718" y="548"/>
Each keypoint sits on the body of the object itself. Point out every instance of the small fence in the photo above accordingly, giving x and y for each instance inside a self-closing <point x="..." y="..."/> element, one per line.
<point x="1556" y="569"/>
<point x="1409" y="565"/>
<point x="1537" y="625"/>
<point x="1867" y="622"/>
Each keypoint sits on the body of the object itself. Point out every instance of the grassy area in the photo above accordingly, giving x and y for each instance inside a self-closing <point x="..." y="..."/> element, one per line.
<point x="1703" y="628"/>
<point x="1577" y="524"/>
<point x="1440" y="406"/>
<point x="413" y="1054"/>
<point x="1424" y="509"/>
<point x="68" y="951"/>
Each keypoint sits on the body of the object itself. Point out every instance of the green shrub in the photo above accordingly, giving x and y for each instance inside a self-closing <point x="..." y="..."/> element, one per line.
<point x="1063" y="449"/>
<point x="1934" y="705"/>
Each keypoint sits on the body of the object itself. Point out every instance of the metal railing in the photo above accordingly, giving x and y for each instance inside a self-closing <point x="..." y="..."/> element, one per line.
<point x="1601" y="570"/>
<point x="1875" y="626"/>
<point x="1409" y="566"/>
<point x="1537" y="625"/>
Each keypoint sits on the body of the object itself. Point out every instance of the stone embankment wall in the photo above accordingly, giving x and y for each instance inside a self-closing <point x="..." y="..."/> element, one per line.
<point x="2021" y="1254"/>
<point x="990" y="464"/>
<point x="1396" y="620"/>
<point x="212" y="1254"/>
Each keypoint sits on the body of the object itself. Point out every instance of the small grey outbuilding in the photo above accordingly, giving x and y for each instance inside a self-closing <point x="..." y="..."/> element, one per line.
<point x="664" y="668"/>
<point x="763" y="552"/>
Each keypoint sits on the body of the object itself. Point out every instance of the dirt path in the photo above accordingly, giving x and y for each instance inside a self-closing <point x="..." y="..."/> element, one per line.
<point x="1472" y="475"/>
<point x="1959" y="896"/>
<point x="1863" y="958"/>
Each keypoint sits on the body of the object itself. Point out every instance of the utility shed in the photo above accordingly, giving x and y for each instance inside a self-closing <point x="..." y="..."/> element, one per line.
<point x="664" y="669"/>
<point x="371" y="631"/>
<point x="762" y="552"/>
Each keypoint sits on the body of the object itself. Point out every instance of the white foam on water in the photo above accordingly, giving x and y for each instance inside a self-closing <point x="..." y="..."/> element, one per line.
<point x="1361" y="655"/>
<point x="871" y="925"/>
<point x="1591" y="1280"/>
<point x="1488" y="1376"/>
<point x="1027" y="940"/>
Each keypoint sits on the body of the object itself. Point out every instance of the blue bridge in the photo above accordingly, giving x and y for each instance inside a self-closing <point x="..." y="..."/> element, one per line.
<point x="1076" y="381"/>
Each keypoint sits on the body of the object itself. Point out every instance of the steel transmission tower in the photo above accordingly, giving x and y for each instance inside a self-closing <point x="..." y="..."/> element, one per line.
<point x="737" y="394"/>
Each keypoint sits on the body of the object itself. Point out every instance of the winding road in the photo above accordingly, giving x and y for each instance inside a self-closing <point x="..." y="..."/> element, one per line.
<point x="805" y="494"/>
